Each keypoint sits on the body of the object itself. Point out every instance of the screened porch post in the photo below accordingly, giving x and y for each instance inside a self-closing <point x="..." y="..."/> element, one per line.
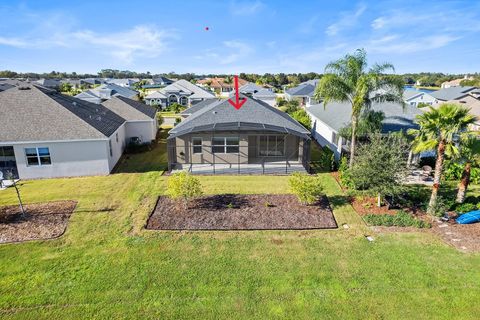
<point x="238" y="158"/>
<point x="212" y="148"/>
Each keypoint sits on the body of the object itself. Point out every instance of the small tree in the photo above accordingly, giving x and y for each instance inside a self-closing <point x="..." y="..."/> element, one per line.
<point x="307" y="188"/>
<point x="380" y="166"/>
<point x="183" y="186"/>
<point x="302" y="117"/>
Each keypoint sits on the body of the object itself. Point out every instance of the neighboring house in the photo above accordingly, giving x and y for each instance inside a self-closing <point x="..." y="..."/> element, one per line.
<point x="413" y="98"/>
<point x="128" y="83"/>
<point x="163" y="81"/>
<point x="249" y="89"/>
<point x="105" y="92"/>
<point x="141" y="120"/>
<point x="327" y="122"/>
<point x="49" y="83"/>
<point x="221" y="86"/>
<point x="455" y="82"/>
<point x="266" y="96"/>
<point x="453" y="93"/>
<point x="44" y="134"/>
<point x="182" y="92"/>
<point x="156" y="98"/>
<point x="220" y="139"/>
<point x="196" y="107"/>
<point x="303" y="93"/>
<point x="75" y="83"/>
<point x="92" y="81"/>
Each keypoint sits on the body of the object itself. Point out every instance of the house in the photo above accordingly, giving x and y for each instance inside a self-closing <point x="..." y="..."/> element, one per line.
<point x="162" y="81"/>
<point x="106" y="91"/>
<point x="249" y="89"/>
<point x="266" y="96"/>
<point x="454" y="93"/>
<point x="328" y="120"/>
<point x="141" y="120"/>
<point x="44" y="134"/>
<point x="256" y="138"/>
<point x="303" y="93"/>
<point x="49" y="83"/>
<point x="414" y="98"/>
<point x="455" y="82"/>
<point x="128" y="83"/>
<point x="182" y="92"/>
<point x="221" y="86"/>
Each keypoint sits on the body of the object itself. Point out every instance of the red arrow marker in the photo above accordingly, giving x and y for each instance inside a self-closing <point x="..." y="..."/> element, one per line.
<point x="238" y="103"/>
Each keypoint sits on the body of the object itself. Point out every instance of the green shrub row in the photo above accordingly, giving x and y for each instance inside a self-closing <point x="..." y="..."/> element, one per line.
<point x="401" y="219"/>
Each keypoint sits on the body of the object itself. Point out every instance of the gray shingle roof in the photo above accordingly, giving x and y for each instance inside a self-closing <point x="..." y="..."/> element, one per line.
<point x="305" y="89"/>
<point x="40" y="114"/>
<point x="188" y="88"/>
<point x="264" y="93"/>
<point x="253" y="115"/>
<point x="336" y="115"/>
<point x="198" y="106"/>
<point x="409" y="94"/>
<point x="106" y="91"/>
<point x="249" y="88"/>
<point x="452" y="93"/>
<point x="130" y="109"/>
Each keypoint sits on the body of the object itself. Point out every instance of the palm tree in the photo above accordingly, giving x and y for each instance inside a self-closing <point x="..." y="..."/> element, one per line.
<point x="349" y="80"/>
<point x="440" y="129"/>
<point x="469" y="152"/>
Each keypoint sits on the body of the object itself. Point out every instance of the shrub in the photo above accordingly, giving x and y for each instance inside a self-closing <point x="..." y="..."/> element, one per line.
<point x="453" y="172"/>
<point x="176" y="107"/>
<point x="441" y="206"/>
<point x="465" y="207"/>
<point x="307" y="188"/>
<point x="178" y="120"/>
<point x="183" y="186"/>
<point x="301" y="116"/>
<point x="401" y="219"/>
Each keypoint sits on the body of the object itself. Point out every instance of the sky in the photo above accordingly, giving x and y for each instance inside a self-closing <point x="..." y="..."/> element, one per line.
<point x="256" y="36"/>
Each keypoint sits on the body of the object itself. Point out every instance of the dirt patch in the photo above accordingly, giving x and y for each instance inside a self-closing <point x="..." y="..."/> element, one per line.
<point x="242" y="212"/>
<point x="464" y="237"/>
<point x="42" y="221"/>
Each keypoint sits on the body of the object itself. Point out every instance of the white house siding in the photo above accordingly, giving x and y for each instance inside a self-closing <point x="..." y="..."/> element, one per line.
<point x="425" y="98"/>
<point x="69" y="159"/>
<point x="145" y="130"/>
<point x="118" y="146"/>
<point x="326" y="136"/>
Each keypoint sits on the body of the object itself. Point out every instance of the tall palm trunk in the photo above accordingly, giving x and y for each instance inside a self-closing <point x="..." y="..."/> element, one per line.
<point x="353" y="142"/>
<point x="464" y="182"/>
<point x="436" y="179"/>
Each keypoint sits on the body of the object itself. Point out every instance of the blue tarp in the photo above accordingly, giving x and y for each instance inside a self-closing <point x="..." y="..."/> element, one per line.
<point x="469" y="217"/>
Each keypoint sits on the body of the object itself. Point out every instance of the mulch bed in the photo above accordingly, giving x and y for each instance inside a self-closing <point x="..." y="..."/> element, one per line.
<point x="464" y="237"/>
<point x="42" y="221"/>
<point x="242" y="212"/>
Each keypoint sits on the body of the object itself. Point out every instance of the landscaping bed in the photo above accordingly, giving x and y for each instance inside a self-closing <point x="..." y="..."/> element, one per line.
<point x="42" y="221"/>
<point x="242" y="212"/>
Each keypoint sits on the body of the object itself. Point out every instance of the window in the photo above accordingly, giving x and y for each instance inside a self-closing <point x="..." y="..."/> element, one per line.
<point x="225" y="145"/>
<point x="110" y="147"/>
<point x="38" y="156"/>
<point x="197" y="145"/>
<point x="271" y="146"/>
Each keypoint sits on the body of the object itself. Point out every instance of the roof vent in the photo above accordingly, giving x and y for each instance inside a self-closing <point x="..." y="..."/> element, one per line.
<point x="23" y="88"/>
<point x="74" y="103"/>
<point x="214" y="112"/>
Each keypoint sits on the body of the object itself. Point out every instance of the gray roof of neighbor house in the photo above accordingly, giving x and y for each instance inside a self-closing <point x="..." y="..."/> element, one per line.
<point x="198" y="106"/>
<point x="252" y="116"/>
<point x="162" y="80"/>
<point x="304" y="89"/>
<point x="49" y="83"/>
<point x="336" y="115"/>
<point x="106" y="91"/>
<point x="6" y="84"/>
<point x="410" y="94"/>
<point x="130" y="109"/>
<point x="452" y="93"/>
<point x="34" y="113"/>
<point x="189" y="88"/>
<point x="249" y="88"/>
<point x="264" y="93"/>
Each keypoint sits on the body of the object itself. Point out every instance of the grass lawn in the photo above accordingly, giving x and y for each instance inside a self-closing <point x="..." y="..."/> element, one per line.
<point x="107" y="266"/>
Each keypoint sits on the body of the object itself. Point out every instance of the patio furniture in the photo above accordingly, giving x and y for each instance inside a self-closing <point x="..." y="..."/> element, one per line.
<point x="426" y="172"/>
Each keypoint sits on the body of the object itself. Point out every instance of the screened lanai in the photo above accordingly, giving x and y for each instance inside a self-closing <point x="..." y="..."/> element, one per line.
<point x="263" y="140"/>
